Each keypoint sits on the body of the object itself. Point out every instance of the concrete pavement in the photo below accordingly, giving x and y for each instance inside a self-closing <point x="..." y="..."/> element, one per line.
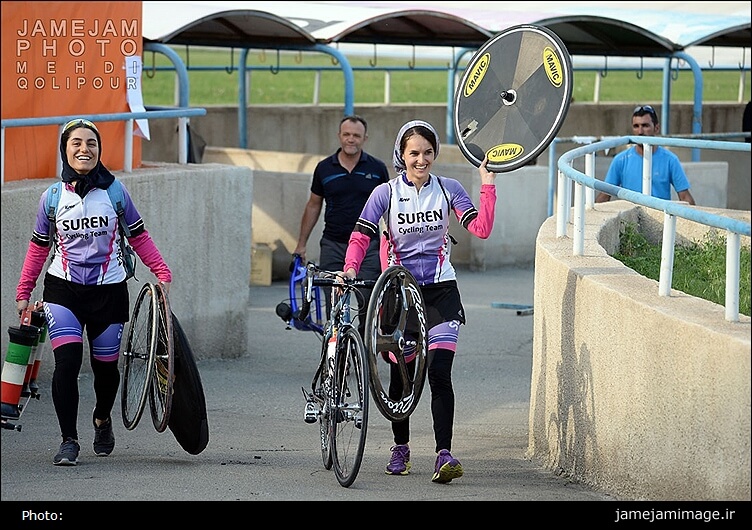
<point x="261" y="449"/>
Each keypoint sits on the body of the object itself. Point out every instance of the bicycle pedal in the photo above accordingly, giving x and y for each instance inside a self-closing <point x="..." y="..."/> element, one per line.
<point x="311" y="412"/>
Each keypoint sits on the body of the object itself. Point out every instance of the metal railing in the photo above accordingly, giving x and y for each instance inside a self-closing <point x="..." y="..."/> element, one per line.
<point x="672" y="209"/>
<point x="183" y="115"/>
<point x="553" y="156"/>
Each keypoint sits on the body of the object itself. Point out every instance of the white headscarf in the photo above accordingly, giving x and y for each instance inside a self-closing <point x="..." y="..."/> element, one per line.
<point x="397" y="160"/>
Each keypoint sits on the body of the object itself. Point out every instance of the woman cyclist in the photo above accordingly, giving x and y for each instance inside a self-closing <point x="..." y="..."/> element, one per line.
<point x="85" y="284"/>
<point x="416" y="206"/>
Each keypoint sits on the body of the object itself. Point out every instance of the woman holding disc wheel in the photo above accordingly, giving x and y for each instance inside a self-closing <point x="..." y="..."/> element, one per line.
<point x="416" y="207"/>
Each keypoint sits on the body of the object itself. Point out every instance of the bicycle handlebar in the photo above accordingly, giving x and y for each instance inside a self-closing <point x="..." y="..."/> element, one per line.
<point x="313" y="279"/>
<point x="349" y="282"/>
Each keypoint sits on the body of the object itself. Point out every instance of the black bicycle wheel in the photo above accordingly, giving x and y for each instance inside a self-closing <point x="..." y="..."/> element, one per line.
<point x="350" y="407"/>
<point x="513" y="97"/>
<point x="396" y="343"/>
<point x="163" y="375"/>
<point x="322" y="395"/>
<point x="138" y="356"/>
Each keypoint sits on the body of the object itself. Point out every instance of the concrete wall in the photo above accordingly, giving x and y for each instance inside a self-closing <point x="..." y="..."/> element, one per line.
<point x="199" y="217"/>
<point x="312" y="129"/>
<point x="647" y="397"/>
<point x="280" y="198"/>
<point x="521" y="207"/>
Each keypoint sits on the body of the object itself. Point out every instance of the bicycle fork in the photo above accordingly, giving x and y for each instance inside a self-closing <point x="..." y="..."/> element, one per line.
<point x="313" y="408"/>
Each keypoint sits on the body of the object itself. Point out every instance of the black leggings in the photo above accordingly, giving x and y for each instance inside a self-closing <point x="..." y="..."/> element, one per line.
<point x="442" y="399"/>
<point x="65" y="396"/>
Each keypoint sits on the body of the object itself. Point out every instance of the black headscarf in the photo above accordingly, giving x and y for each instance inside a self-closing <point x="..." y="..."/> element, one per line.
<point x="99" y="176"/>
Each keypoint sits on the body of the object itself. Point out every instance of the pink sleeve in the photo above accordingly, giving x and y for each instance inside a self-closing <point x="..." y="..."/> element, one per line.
<point x="383" y="251"/>
<point x="144" y="246"/>
<point x="482" y="225"/>
<point x="356" y="251"/>
<point x="33" y="264"/>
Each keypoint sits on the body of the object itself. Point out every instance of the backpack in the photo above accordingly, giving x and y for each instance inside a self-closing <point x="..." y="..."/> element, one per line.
<point x="115" y="192"/>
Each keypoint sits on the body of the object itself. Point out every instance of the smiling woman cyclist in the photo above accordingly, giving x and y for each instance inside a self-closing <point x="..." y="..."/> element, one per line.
<point x="416" y="206"/>
<point x="85" y="284"/>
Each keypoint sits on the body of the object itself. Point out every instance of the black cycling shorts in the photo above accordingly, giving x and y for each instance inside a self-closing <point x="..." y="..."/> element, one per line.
<point x="102" y="304"/>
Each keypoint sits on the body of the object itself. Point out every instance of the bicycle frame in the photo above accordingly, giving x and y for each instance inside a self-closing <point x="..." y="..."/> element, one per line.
<point x="341" y="315"/>
<point x="313" y="321"/>
<point x="339" y="394"/>
<point x="341" y="319"/>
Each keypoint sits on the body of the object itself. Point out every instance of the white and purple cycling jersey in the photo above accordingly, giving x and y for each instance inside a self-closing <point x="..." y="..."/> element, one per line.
<point x="417" y="224"/>
<point x="87" y="249"/>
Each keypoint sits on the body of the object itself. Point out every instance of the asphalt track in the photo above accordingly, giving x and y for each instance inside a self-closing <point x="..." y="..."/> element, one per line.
<point x="260" y="449"/>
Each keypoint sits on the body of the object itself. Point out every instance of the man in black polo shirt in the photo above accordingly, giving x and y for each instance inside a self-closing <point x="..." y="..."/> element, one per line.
<point x="345" y="181"/>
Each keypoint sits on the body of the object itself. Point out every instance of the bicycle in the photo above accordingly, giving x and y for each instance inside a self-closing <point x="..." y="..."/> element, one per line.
<point x="338" y="399"/>
<point x="148" y="359"/>
<point x="290" y="312"/>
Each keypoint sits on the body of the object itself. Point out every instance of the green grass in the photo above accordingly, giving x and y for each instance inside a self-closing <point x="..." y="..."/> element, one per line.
<point x="699" y="268"/>
<point x="217" y="87"/>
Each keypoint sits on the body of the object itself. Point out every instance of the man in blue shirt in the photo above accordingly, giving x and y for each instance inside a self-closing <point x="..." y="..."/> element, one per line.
<point x="626" y="168"/>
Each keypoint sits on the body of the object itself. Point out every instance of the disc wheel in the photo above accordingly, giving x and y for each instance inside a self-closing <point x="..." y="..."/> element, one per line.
<point x="138" y="356"/>
<point x="513" y="97"/>
<point x="163" y="375"/>
<point x="396" y="343"/>
<point x="350" y="411"/>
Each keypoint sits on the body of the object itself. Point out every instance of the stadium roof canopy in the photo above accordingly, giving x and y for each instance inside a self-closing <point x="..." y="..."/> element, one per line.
<point x="639" y="29"/>
<point x="630" y="30"/>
